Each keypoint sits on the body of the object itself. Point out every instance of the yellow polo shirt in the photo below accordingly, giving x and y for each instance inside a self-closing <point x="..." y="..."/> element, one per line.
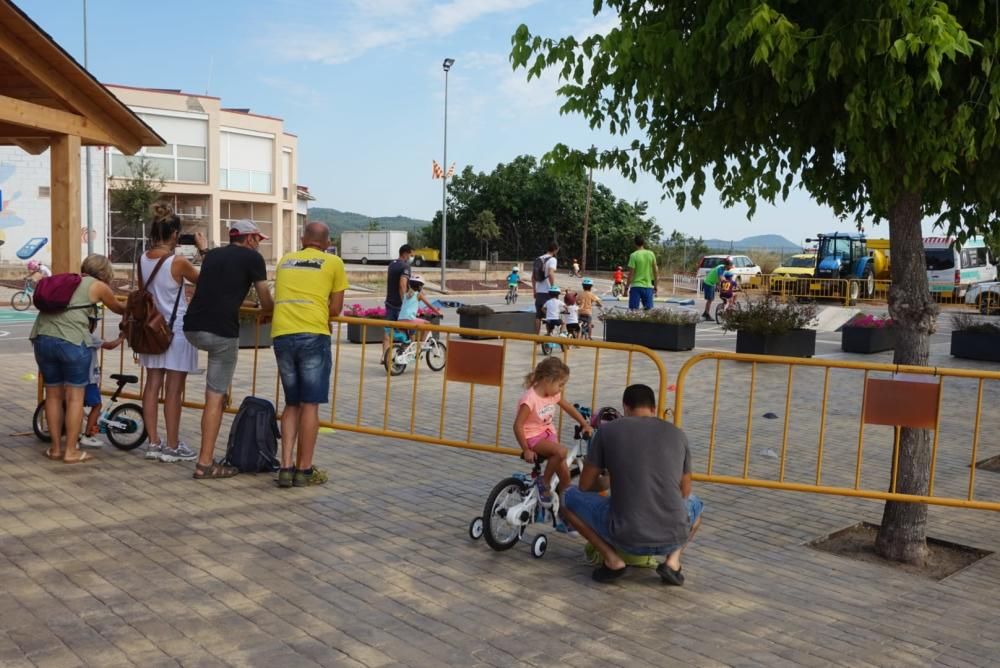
<point x="303" y="284"/>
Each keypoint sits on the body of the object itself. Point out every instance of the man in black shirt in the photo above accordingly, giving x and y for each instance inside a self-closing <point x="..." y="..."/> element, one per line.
<point x="395" y="288"/>
<point x="212" y="324"/>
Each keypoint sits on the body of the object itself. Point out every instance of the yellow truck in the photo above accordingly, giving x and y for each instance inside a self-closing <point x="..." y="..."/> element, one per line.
<point x="422" y="256"/>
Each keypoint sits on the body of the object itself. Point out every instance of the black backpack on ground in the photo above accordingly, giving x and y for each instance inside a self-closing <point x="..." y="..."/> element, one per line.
<point x="253" y="438"/>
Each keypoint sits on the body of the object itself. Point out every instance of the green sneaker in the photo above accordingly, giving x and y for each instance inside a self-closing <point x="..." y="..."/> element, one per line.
<point x="285" y="477"/>
<point x="314" y="476"/>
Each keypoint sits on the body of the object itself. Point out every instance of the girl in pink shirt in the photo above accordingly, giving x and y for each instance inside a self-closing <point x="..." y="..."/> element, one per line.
<point x="536" y="409"/>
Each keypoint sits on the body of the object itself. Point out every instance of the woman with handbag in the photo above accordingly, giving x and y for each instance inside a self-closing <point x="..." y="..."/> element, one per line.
<point x="163" y="274"/>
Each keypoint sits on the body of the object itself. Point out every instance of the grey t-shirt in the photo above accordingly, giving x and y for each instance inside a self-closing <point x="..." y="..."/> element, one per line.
<point x="646" y="458"/>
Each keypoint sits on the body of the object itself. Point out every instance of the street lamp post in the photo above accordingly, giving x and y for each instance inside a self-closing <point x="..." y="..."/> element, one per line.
<point x="446" y="65"/>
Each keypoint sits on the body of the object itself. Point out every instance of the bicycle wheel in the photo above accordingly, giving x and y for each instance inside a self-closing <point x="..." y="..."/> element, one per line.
<point x="720" y="313"/>
<point x="436" y="356"/>
<point x="20" y="301"/>
<point x="40" y="424"/>
<point x="392" y="365"/>
<point x="126" y="428"/>
<point x="513" y="297"/>
<point x="617" y="291"/>
<point x="499" y="533"/>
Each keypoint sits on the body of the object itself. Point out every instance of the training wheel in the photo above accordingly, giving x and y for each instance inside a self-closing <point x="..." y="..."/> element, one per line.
<point x="538" y="546"/>
<point x="476" y="529"/>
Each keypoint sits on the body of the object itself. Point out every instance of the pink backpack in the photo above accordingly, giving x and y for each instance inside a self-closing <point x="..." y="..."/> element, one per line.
<point x="53" y="293"/>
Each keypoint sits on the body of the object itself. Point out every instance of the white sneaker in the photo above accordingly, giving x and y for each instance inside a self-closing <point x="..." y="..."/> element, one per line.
<point x="182" y="453"/>
<point x="153" y="451"/>
<point x="91" y="442"/>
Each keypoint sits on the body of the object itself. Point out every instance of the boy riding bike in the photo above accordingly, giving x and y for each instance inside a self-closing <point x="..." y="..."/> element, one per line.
<point x="728" y="287"/>
<point x="618" y="288"/>
<point x="513" y="278"/>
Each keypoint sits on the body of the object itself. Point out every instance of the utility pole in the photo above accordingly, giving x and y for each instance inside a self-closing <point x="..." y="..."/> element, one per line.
<point x="446" y="65"/>
<point x="586" y="219"/>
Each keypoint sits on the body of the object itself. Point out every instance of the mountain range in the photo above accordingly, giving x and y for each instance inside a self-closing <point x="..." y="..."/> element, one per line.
<point x="759" y="242"/>
<point x="345" y="221"/>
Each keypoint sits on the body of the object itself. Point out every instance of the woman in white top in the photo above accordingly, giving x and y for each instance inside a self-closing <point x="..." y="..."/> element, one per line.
<point x="172" y="367"/>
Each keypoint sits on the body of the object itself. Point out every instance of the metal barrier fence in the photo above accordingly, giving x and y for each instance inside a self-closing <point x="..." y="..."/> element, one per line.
<point x="683" y="282"/>
<point x="470" y="404"/>
<point x="848" y="291"/>
<point x="834" y="426"/>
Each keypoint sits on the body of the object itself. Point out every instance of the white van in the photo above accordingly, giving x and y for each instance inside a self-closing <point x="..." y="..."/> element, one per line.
<point x="950" y="270"/>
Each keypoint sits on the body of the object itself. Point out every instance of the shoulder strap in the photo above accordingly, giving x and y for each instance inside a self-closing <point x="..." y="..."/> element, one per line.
<point x="156" y="269"/>
<point x="177" y="300"/>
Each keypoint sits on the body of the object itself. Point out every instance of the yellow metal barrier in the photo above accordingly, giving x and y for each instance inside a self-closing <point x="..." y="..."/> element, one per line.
<point x="431" y="407"/>
<point x="801" y="287"/>
<point x="822" y="439"/>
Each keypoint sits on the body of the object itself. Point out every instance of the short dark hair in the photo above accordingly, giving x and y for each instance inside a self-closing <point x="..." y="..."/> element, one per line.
<point x="553" y="246"/>
<point x="728" y="262"/>
<point x="639" y="241"/>
<point x="639" y="396"/>
<point x="405" y="248"/>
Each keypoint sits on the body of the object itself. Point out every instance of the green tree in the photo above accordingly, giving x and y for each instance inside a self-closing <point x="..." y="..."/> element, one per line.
<point x="131" y="203"/>
<point x="532" y="206"/>
<point x="884" y="111"/>
<point x="484" y="228"/>
<point x="374" y="225"/>
<point x="680" y="253"/>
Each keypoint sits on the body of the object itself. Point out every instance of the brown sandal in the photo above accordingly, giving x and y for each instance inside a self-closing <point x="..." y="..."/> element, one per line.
<point x="54" y="456"/>
<point x="84" y="457"/>
<point x="213" y="471"/>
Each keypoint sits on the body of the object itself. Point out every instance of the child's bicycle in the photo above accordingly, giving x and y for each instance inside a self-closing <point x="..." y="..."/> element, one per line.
<point x="21" y="300"/>
<point x="511" y="294"/>
<point x="549" y="348"/>
<point x="617" y="290"/>
<point x="514" y="503"/>
<point x="727" y="307"/>
<point x="407" y="350"/>
<point x="121" y="423"/>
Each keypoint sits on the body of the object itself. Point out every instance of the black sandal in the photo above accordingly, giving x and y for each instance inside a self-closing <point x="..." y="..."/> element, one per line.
<point x="669" y="576"/>
<point x="213" y="471"/>
<point x="604" y="574"/>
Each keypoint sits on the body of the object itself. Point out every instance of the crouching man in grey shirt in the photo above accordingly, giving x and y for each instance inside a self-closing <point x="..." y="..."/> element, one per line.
<point x="651" y="510"/>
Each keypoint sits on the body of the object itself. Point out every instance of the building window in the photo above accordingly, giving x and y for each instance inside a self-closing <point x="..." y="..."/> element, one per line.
<point x="184" y="159"/>
<point x="44" y="192"/>
<point x="286" y="175"/>
<point x="246" y="162"/>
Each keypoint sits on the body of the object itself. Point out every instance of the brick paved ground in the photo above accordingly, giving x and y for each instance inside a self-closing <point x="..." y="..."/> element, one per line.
<point x="124" y="562"/>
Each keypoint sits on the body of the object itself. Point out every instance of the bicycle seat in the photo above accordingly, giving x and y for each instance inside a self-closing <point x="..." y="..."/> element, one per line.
<point x="124" y="379"/>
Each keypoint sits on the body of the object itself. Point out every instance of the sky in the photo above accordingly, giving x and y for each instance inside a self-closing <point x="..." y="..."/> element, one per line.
<point x="360" y="82"/>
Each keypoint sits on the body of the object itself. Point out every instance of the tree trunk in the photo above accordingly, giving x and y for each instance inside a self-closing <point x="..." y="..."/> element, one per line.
<point x="902" y="536"/>
<point x="586" y="222"/>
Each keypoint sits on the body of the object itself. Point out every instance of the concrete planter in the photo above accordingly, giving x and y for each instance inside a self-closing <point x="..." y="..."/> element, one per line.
<point x="371" y="333"/>
<point x="867" y="340"/>
<point x="975" y="346"/>
<point x="522" y="322"/>
<point x="796" y="343"/>
<point x="655" y="335"/>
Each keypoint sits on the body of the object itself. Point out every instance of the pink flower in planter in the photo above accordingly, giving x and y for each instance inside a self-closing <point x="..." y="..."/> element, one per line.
<point x="869" y="321"/>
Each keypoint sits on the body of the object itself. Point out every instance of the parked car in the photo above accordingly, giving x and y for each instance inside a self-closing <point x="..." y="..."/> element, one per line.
<point x="985" y="296"/>
<point x="743" y="267"/>
<point x="802" y="264"/>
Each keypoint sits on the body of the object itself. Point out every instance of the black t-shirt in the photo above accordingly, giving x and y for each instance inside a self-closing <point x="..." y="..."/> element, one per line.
<point x="396" y="269"/>
<point x="226" y="276"/>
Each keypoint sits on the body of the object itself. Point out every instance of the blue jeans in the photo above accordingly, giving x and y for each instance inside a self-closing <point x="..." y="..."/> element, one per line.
<point x="62" y="362"/>
<point x="594" y="510"/>
<point x="304" y="364"/>
<point x="640" y="295"/>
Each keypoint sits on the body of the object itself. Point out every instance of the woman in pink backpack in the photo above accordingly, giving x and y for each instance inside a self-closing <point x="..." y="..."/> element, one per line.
<point x="61" y="338"/>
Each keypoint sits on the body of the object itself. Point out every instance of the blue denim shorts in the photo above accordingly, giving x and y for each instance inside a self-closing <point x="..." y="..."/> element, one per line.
<point x="92" y="395"/>
<point x="640" y="297"/>
<point x="595" y="511"/>
<point x="62" y="362"/>
<point x="709" y="291"/>
<point x="304" y="363"/>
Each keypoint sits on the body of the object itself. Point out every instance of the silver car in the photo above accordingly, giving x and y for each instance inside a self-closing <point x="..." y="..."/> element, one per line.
<point x="985" y="296"/>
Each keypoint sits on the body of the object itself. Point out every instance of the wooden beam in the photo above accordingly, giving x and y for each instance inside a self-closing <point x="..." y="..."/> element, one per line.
<point x="65" y="202"/>
<point x="73" y="94"/>
<point x="32" y="146"/>
<point x="56" y="121"/>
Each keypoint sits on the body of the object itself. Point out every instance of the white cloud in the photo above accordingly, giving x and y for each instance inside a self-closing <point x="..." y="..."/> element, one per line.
<point x="365" y="25"/>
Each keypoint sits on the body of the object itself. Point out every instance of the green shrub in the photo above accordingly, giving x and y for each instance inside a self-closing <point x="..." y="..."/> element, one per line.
<point x="769" y="317"/>
<point x="964" y="322"/>
<point x="659" y="315"/>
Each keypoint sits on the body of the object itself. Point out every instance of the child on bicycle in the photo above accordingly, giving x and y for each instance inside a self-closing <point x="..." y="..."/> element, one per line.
<point x="587" y="301"/>
<point x="92" y="393"/>
<point x="537" y="407"/>
<point x="554" y="308"/>
<point x="619" y="276"/>
<point x="727" y="289"/>
<point x="411" y="302"/>
<point x="513" y="279"/>
<point x="572" y="310"/>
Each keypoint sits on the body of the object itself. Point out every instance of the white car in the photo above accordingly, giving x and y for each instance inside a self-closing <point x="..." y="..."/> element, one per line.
<point x="985" y="296"/>
<point x="743" y="267"/>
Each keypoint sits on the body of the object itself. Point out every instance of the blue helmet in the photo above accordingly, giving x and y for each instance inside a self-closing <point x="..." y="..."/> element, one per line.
<point x="587" y="281"/>
<point x="728" y="274"/>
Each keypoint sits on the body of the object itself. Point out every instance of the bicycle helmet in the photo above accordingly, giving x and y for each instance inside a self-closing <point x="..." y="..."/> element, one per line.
<point x="606" y="414"/>
<point x="416" y="282"/>
<point x="554" y="290"/>
<point x="587" y="281"/>
<point x="514" y="269"/>
<point x="728" y="274"/>
<point x="619" y="268"/>
<point x="33" y="265"/>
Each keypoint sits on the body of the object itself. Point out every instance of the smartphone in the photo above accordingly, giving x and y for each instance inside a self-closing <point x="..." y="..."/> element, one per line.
<point x="185" y="240"/>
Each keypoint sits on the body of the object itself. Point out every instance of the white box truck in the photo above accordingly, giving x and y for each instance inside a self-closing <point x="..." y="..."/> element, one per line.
<point x="365" y="247"/>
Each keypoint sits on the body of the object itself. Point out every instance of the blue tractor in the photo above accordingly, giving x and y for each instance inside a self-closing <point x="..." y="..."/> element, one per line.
<point x="845" y="255"/>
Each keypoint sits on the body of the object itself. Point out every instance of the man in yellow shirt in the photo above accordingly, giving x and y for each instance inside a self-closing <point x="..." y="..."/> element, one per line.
<point x="308" y="290"/>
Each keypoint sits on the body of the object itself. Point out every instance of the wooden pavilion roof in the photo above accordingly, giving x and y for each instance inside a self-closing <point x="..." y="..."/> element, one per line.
<point x="45" y="93"/>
